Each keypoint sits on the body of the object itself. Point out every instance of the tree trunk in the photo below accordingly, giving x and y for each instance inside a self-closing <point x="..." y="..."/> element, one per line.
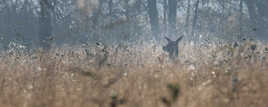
<point x="258" y="17"/>
<point x="172" y="13"/>
<point x="45" y="25"/>
<point x="165" y="16"/>
<point x="127" y="9"/>
<point x="110" y="7"/>
<point x="262" y="19"/>
<point x="195" y="19"/>
<point x="240" y="20"/>
<point x="153" y="15"/>
<point x="187" y="21"/>
<point x="97" y="13"/>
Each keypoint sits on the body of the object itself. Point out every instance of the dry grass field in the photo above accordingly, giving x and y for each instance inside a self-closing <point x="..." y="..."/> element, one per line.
<point x="202" y="76"/>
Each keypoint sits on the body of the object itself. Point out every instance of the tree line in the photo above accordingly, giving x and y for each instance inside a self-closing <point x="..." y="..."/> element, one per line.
<point x="44" y="22"/>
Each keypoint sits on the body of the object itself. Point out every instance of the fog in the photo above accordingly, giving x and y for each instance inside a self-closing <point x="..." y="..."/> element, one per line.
<point x="49" y="23"/>
<point x="133" y="53"/>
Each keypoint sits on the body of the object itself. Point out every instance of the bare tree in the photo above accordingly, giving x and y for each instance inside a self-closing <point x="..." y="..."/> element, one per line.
<point x="110" y="7"/>
<point x="165" y="6"/>
<point x="195" y="17"/>
<point x="240" y="19"/>
<point x="172" y="14"/>
<point x="258" y="16"/>
<point x="187" y="21"/>
<point x="45" y="23"/>
<point x="154" y="20"/>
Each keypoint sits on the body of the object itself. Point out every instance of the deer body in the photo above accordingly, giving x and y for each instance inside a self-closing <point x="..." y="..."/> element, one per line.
<point x="172" y="47"/>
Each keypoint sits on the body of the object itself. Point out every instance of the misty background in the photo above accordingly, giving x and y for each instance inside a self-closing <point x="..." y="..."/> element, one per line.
<point x="48" y="23"/>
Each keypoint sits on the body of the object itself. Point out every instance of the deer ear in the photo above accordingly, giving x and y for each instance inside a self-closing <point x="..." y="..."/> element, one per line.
<point x="167" y="39"/>
<point x="179" y="39"/>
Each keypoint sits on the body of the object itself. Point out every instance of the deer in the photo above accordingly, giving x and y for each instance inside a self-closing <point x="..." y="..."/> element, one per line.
<point x="172" y="47"/>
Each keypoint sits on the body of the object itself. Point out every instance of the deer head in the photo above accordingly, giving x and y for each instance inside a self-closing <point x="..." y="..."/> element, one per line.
<point x="172" y="47"/>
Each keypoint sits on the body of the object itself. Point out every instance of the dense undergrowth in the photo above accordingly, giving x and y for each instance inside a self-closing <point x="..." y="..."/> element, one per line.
<point x="214" y="75"/>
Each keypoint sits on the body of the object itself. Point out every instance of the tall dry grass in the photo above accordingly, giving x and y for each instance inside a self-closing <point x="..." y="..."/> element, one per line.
<point x="136" y="76"/>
